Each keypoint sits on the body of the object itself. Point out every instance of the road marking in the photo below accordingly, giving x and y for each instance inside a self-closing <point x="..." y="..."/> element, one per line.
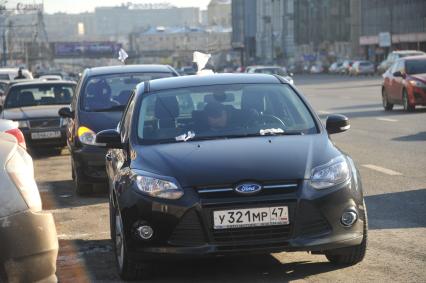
<point x="387" y="119"/>
<point x="382" y="170"/>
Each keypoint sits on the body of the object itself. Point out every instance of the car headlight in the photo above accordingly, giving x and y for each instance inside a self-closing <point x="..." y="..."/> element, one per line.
<point x="86" y="136"/>
<point x="158" y="187"/>
<point x="23" y="124"/>
<point x="21" y="171"/>
<point x="417" y="83"/>
<point x="328" y="175"/>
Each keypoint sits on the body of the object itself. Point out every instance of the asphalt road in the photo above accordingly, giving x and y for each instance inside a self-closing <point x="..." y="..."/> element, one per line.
<point x="389" y="148"/>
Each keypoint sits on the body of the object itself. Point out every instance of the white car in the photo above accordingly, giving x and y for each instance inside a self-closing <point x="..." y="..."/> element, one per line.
<point x="9" y="74"/>
<point x="11" y="127"/>
<point x="271" y="70"/>
<point x="28" y="240"/>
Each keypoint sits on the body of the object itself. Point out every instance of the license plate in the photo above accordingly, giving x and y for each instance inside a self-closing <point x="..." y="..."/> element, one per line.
<point x="251" y="217"/>
<point x="46" y="135"/>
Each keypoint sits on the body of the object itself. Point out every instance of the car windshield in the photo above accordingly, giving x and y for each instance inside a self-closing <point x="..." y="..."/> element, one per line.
<point x="111" y="92"/>
<point x="223" y="111"/>
<point x="414" y="67"/>
<point x="42" y="94"/>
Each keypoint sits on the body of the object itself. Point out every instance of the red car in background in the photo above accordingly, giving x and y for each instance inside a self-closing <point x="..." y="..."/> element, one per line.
<point x="405" y="83"/>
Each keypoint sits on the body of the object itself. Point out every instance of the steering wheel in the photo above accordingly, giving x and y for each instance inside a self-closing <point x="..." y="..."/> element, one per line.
<point x="272" y="118"/>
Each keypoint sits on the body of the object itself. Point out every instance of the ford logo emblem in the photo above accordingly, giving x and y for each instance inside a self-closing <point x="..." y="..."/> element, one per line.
<point x="248" y="188"/>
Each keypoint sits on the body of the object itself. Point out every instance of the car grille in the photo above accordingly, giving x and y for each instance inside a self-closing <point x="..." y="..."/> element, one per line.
<point x="45" y="123"/>
<point x="188" y="232"/>
<point x="236" y="236"/>
<point x="311" y="222"/>
<point x="228" y="191"/>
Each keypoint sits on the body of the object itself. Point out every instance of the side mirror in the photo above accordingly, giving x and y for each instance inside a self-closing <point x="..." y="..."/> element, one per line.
<point x="65" y="112"/>
<point x="398" y="74"/>
<point x="337" y="124"/>
<point x="109" y="138"/>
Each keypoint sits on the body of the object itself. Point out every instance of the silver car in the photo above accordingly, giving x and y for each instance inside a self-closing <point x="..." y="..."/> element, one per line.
<point x="362" y="68"/>
<point x="28" y="240"/>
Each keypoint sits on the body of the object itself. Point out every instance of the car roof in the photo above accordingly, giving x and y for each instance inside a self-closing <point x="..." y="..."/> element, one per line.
<point x="122" y="69"/>
<point x="419" y="57"/>
<point x="41" y="82"/>
<point x="208" y="80"/>
<point x="407" y="51"/>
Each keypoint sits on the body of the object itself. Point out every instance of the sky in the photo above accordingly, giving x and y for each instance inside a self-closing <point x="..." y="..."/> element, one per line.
<point x="78" y="6"/>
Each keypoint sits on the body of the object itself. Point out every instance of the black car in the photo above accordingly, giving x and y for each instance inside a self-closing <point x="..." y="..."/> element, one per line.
<point x="227" y="164"/>
<point x="34" y="105"/>
<point x="101" y="96"/>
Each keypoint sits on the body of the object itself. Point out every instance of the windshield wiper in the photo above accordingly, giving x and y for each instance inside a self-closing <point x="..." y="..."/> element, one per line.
<point x="111" y="109"/>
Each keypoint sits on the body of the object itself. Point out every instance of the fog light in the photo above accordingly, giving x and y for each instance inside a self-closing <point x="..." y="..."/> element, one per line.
<point x="349" y="218"/>
<point x="145" y="232"/>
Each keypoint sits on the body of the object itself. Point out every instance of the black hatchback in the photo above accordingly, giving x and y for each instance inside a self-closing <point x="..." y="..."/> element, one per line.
<point x="101" y="96"/>
<point x="228" y="164"/>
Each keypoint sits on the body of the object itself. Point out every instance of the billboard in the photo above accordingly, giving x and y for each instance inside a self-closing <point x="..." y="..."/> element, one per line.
<point x="86" y="49"/>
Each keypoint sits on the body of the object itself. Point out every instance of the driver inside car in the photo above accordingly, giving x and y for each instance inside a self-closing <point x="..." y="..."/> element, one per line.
<point x="217" y="116"/>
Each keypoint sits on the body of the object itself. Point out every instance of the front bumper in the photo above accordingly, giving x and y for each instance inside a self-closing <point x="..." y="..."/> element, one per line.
<point x="45" y="142"/>
<point x="89" y="162"/>
<point x="185" y="227"/>
<point x="417" y="95"/>
<point x="29" y="247"/>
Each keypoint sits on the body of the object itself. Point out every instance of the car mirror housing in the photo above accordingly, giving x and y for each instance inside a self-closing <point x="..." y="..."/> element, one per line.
<point x="109" y="139"/>
<point x="337" y="124"/>
<point x="65" y="112"/>
<point x="398" y="74"/>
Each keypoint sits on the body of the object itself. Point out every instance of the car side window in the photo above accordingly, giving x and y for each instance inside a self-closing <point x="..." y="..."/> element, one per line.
<point x="125" y="123"/>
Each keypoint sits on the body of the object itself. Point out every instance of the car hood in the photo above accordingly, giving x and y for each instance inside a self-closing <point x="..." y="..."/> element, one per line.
<point x="420" y="77"/>
<point x="31" y="112"/>
<point x="226" y="162"/>
<point x="99" y="121"/>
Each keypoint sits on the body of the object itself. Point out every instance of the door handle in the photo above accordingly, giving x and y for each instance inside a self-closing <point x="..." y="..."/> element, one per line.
<point x="108" y="156"/>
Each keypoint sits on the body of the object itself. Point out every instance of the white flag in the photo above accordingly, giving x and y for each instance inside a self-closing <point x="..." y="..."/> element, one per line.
<point x="122" y="55"/>
<point x="201" y="59"/>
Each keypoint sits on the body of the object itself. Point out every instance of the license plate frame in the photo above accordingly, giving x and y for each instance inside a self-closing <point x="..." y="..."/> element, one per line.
<point x="45" y="135"/>
<point x="250" y="217"/>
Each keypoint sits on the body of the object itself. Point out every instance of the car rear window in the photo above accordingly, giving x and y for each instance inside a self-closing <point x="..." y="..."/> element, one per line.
<point x="112" y="92"/>
<point x="166" y="115"/>
<point x="41" y="94"/>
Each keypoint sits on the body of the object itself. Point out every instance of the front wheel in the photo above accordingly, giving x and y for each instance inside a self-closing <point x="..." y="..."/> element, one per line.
<point x="127" y="269"/>
<point x="351" y="255"/>
<point x="81" y="188"/>
<point x="407" y="106"/>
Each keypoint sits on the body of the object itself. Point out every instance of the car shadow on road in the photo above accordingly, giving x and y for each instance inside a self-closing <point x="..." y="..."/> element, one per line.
<point x="41" y="153"/>
<point x="61" y="194"/>
<point x="420" y="136"/>
<point x="94" y="261"/>
<point x="397" y="210"/>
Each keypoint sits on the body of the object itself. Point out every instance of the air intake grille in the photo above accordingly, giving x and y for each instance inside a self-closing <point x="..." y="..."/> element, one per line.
<point x="45" y="123"/>
<point x="188" y="232"/>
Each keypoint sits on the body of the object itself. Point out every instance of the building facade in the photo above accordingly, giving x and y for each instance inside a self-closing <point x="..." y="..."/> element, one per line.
<point x="219" y="13"/>
<point x="175" y="45"/>
<point x="387" y="25"/>
<point x="244" y="28"/>
<point x="275" y="30"/>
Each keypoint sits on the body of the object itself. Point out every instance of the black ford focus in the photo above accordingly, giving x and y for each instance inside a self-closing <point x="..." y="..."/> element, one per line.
<point x="227" y="164"/>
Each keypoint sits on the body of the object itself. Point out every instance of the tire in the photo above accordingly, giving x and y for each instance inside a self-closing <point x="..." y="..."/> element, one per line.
<point x="128" y="270"/>
<point x="351" y="255"/>
<point x="81" y="188"/>
<point x="407" y="106"/>
<point x="386" y="105"/>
